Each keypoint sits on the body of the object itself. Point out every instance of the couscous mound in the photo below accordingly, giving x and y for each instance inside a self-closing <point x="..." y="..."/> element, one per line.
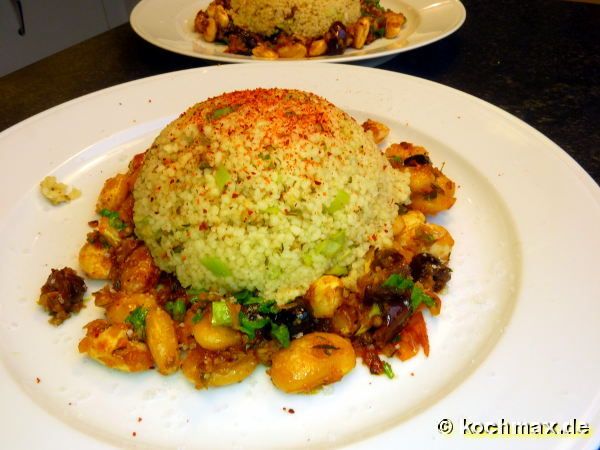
<point x="265" y="190"/>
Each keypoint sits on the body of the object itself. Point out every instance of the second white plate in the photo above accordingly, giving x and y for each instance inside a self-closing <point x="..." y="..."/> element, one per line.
<point x="169" y="24"/>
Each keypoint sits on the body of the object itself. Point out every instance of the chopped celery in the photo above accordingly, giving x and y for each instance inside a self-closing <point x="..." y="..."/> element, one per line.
<point x="218" y="113"/>
<point x="216" y="266"/>
<point x="332" y="245"/>
<point x="221" y="315"/>
<point x="222" y="176"/>
<point x="341" y="199"/>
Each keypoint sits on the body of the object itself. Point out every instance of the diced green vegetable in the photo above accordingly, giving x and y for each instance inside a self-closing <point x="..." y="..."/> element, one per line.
<point x="176" y="309"/>
<point x="338" y="271"/>
<point x="114" y="220"/>
<point x="222" y="177"/>
<point x="218" y="113"/>
<point x="281" y="333"/>
<point x="216" y="266"/>
<point x="341" y="199"/>
<point x="332" y="245"/>
<point x="387" y="369"/>
<point x="137" y="319"/>
<point x="249" y="326"/>
<point x="221" y="314"/>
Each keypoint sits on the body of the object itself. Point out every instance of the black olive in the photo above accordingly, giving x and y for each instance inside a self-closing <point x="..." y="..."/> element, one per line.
<point x="298" y="319"/>
<point x="417" y="160"/>
<point x="428" y="269"/>
<point x="336" y="38"/>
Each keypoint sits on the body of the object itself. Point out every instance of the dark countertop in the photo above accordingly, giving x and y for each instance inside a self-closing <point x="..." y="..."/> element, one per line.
<point x="538" y="60"/>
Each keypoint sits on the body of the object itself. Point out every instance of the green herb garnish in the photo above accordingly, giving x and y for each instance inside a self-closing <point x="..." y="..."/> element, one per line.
<point x="198" y="316"/>
<point x="417" y="296"/>
<point x="114" y="220"/>
<point x="176" y="309"/>
<point x="137" y="319"/>
<point x="387" y="369"/>
<point x="281" y="333"/>
<point x="250" y="326"/>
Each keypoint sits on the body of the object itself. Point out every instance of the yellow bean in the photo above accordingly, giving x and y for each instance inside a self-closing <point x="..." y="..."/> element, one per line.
<point x="262" y="51"/>
<point x="378" y="130"/>
<point x="162" y="340"/>
<point x="118" y="310"/>
<point x="213" y="369"/>
<point x="210" y="32"/>
<point x="95" y="261"/>
<point x="361" y="31"/>
<point x="212" y="337"/>
<point x="317" y="48"/>
<point x="111" y="346"/>
<point x="138" y="272"/>
<point x="325" y="296"/>
<point x="314" y="360"/>
<point x="393" y="24"/>
<point x="296" y="50"/>
<point x="113" y="193"/>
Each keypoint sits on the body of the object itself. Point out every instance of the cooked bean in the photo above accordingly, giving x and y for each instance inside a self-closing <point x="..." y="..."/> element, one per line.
<point x="314" y="360"/>
<point x="317" y="48"/>
<point x="95" y="261"/>
<point x="262" y="51"/>
<point x="123" y="304"/>
<point x="113" y="193"/>
<point x="213" y="369"/>
<point x="210" y="32"/>
<point x="361" y="31"/>
<point x="212" y="337"/>
<point x="138" y="272"/>
<point x="325" y="296"/>
<point x="111" y="346"/>
<point x="296" y="50"/>
<point x="162" y="341"/>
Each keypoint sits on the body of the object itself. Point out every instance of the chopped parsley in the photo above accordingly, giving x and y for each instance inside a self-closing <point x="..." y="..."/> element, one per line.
<point x="137" y="319"/>
<point x="250" y="326"/>
<point x="417" y="296"/>
<point x="387" y="369"/>
<point x="176" y="309"/>
<point x="281" y="333"/>
<point x="198" y="316"/>
<point x="114" y="220"/>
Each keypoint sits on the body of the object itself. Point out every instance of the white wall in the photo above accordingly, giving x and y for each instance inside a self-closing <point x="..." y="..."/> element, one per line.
<point x="53" y="25"/>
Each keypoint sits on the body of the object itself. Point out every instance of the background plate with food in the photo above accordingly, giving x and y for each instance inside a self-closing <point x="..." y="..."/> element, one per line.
<point x="504" y="335"/>
<point x="170" y="25"/>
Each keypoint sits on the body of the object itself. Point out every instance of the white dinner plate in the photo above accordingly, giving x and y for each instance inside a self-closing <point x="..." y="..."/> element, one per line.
<point x="516" y="340"/>
<point x="169" y="24"/>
